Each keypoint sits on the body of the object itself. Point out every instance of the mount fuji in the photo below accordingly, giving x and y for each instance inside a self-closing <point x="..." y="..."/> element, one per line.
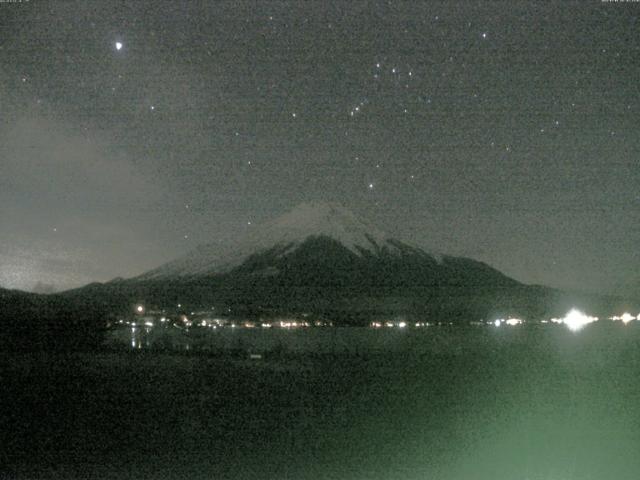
<point x="320" y="258"/>
<point x="326" y="239"/>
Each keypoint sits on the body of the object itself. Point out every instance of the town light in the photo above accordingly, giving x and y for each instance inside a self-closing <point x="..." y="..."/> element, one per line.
<point x="575" y="320"/>
<point x="513" y="321"/>
<point x="626" y="317"/>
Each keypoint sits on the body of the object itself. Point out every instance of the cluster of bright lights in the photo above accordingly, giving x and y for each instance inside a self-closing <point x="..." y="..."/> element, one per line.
<point x="575" y="320"/>
<point x="511" y="321"/>
<point x="400" y="324"/>
<point x="625" y="318"/>
<point x="289" y="324"/>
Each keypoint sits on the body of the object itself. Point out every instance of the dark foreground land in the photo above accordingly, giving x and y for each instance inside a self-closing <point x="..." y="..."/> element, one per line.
<point x="518" y="403"/>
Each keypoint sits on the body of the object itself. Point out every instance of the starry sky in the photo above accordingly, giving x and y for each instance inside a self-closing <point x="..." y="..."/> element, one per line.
<point x="132" y="131"/>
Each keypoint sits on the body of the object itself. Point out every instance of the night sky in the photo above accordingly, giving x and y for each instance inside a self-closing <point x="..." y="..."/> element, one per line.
<point x="130" y="132"/>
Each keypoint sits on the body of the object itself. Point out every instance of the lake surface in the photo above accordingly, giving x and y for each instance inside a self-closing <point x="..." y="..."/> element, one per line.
<point x="446" y="403"/>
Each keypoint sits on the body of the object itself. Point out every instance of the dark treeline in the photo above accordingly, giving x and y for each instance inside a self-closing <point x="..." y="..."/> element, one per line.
<point x="32" y="322"/>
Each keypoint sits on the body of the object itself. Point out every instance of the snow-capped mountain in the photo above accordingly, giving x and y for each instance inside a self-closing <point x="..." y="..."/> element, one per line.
<point x="317" y="260"/>
<point x="320" y="258"/>
<point x="285" y="234"/>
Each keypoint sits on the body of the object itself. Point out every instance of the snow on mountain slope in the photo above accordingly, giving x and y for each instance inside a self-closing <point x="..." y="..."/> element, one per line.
<point x="289" y="230"/>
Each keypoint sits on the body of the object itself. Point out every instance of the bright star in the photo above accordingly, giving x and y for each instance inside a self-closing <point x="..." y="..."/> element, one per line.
<point x="118" y="45"/>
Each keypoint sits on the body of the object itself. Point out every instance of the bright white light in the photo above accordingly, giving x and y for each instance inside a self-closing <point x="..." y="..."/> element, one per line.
<point x="513" y="321"/>
<point x="626" y="317"/>
<point x="497" y="323"/>
<point x="118" y="45"/>
<point x="575" y="320"/>
<point x="140" y="309"/>
<point x="402" y="324"/>
<point x="149" y="324"/>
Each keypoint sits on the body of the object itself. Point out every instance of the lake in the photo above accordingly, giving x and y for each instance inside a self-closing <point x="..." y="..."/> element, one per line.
<point x="526" y="402"/>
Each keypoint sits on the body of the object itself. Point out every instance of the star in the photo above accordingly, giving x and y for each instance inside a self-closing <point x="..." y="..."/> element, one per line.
<point x="371" y="186"/>
<point x="118" y="46"/>
<point x="484" y="34"/>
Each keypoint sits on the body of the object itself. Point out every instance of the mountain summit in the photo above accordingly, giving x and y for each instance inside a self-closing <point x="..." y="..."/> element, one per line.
<point x="286" y="233"/>
<point x="324" y="244"/>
